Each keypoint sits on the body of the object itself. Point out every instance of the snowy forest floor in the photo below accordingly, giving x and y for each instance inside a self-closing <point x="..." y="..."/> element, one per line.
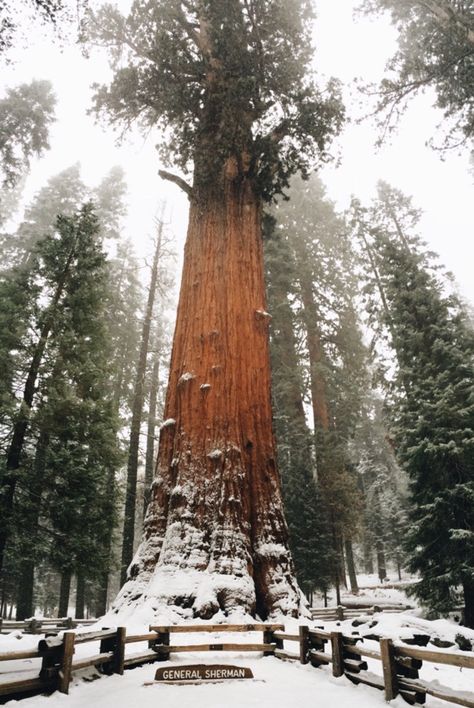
<point x="276" y="683"/>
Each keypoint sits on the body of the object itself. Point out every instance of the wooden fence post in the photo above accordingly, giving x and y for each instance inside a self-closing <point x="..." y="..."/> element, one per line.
<point x="162" y="639"/>
<point x="65" y="667"/>
<point x="268" y="639"/>
<point x="389" y="668"/>
<point x="340" y="612"/>
<point x="337" y="654"/>
<point x="119" y="651"/>
<point x="304" y="644"/>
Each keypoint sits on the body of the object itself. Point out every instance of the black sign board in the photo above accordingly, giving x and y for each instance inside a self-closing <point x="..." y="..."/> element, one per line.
<point x="203" y="672"/>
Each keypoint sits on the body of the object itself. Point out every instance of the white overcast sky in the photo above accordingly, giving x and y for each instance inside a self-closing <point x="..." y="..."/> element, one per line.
<point x="346" y="47"/>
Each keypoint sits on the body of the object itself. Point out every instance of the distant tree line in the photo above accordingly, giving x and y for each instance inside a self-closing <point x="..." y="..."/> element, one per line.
<point x="74" y="319"/>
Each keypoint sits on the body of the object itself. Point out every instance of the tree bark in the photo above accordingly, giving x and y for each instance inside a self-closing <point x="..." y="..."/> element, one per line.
<point x="381" y="566"/>
<point x="215" y="535"/>
<point x="151" y="427"/>
<point x="64" y="591"/>
<point x="80" y="596"/>
<point x="468" y="592"/>
<point x="25" y="597"/>
<point x="137" y="412"/>
<point x="24" y="603"/>
<point x="368" y="558"/>
<point x="315" y="352"/>
<point x="351" y="566"/>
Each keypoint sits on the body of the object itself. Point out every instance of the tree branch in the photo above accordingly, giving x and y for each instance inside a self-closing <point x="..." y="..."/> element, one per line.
<point x="447" y="14"/>
<point x="280" y="131"/>
<point x="177" y="180"/>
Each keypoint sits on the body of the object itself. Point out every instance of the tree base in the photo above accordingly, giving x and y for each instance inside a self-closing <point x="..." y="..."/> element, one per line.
<point x="172" y="593"/>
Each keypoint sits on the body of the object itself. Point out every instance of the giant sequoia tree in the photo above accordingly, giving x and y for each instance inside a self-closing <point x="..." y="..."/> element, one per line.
<point x="228" y="82"/>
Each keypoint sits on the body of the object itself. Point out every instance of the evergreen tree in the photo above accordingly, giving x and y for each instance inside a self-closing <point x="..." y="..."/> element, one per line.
<point x="77" y="438"/>
<point x="436" y="49"/>
<point x="384" y="487"/>
<point x="433" y="410"/>
<point x="310" y="541"/>
<point x="25" y="114"/>
<point x="63" y="194"/>
<point x="324" y="288"/>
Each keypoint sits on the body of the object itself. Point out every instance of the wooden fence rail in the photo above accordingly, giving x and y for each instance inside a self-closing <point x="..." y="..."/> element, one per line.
<point x="38" y="625"/>
<point x="58" y="663"/>
<point x="400" y="664"/>
<point x="342" y="612"/>
<point x="346" y="655"/>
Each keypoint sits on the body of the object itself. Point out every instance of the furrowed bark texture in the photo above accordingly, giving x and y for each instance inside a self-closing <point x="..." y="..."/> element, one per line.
<point x="215" y="535"/>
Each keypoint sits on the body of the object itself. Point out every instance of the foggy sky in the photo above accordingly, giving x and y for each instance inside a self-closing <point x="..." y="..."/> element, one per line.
<point x="346" y="48"/>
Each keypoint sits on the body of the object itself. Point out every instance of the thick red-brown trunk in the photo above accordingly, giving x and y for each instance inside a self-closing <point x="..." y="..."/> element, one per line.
<point x="215" y="534"/>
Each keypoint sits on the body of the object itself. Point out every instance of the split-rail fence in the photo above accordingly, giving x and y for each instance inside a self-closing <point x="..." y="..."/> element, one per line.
<point x="346" y="655"/>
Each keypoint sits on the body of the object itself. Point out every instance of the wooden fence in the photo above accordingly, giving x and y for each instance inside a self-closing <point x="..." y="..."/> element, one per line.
<point x="40" y="625"/>
<point x="331" y="614"/>
<point x="400" y="665"/>
<point x="58" y="663"/>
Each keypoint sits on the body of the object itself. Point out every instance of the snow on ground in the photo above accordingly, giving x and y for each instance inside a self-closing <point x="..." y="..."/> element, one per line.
<point x="277" y="684"/>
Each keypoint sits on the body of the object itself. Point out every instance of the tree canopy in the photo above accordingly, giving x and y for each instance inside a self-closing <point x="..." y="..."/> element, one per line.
<point x="221" y="80"/>
<point x="436" y="49"/>
<point x="25" y="114"/>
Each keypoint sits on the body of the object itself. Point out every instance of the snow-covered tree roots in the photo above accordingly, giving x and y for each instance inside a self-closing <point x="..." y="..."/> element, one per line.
<point x="201" y="569"/>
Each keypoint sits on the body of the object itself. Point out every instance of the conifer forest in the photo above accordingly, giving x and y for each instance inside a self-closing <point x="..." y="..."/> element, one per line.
<point x="236" y="307"/>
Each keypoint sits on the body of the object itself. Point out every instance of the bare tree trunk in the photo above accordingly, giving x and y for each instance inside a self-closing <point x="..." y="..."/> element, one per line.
<point x="64" y="591"/>
<point x="80" y="596"/>
<point x="351" y="566"/>
<point x="381" y="566"/>
<point x="316" y="362"/>
<point x="215" y="534"/>
<point x="137" y="412"/>
<point x="368" y="558"/>
<point x="341" y="561"/>
<point x="468" y="593"/>
<point x="151" y="426"/>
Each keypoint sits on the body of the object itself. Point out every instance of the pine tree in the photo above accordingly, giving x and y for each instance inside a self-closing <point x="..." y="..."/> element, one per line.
<point x="25" y="114"/>
<point x="436" y="46"/>
<point x="82" y="445"/>
<point x="310" y="541"/>
<point x="384" y="487"/>
<point x="434" y="412"/>
<point x="324" y="289"/>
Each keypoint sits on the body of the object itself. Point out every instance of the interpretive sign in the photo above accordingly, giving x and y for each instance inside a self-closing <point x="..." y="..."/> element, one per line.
<point x="203" y="672"/>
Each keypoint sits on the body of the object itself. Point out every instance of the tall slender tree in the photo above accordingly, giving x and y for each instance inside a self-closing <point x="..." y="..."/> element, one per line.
<point x="432" y="407"/>
<point x="137" y="411"/>
<point x="308" y="522"/>
<point x="231" y="84"/>
<point x="324" y="288"/>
